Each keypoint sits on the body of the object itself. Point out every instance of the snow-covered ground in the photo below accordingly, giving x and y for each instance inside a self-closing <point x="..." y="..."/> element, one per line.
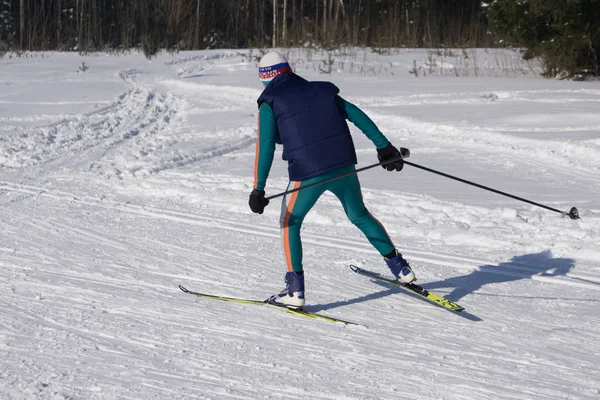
<point x="123" y="181"/>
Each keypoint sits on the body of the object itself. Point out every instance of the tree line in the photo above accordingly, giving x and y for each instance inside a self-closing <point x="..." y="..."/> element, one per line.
<point x="548" y="28"/>
<point x="87" y="25"/>
<point x="564" y="33"/>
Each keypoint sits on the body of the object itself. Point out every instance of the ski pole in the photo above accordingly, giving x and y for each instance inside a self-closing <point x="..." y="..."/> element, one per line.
<point x="573" y="213"/>
<point x="333" y="178"/>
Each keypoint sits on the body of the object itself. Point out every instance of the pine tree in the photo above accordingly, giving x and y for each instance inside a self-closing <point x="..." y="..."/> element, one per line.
<point x="564" y="33"/>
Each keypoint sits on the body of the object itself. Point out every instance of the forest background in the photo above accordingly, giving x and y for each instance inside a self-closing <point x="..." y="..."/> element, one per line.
<point x="565" y="34"/>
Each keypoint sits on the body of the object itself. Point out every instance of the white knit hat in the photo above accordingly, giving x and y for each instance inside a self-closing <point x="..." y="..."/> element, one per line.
<point x="272" y="64"/>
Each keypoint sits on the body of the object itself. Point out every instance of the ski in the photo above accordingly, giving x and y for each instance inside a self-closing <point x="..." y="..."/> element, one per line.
<point x="301" y="312"/>
<point x="414" y="288"/>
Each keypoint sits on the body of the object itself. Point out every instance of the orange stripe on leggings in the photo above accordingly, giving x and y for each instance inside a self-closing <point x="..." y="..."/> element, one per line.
<point x="256" y="156"/>
<point x="286" y="234"/>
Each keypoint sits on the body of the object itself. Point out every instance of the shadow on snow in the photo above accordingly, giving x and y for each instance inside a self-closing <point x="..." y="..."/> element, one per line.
<point x="518" y="268"/>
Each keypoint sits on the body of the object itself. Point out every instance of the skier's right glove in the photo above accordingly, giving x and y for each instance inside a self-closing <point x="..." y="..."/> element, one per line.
<point x="257" y="201"/>
<point x="390" y="153"/>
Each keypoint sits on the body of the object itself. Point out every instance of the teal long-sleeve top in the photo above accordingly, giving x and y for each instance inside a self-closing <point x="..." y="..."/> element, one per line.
<point x="267" y="133"/>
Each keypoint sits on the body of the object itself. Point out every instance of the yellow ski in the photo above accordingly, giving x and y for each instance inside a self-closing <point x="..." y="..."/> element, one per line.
<point x="416" y="289"/>
<point x="301" y="312"/>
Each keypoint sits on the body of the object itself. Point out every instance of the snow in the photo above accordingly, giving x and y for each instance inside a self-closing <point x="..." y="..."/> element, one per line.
<point x="121" y="182"/>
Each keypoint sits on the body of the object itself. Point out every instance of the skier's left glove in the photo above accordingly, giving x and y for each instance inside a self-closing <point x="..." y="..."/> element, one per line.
<point x="390" y="153"/>
<point x="257" y="201"/>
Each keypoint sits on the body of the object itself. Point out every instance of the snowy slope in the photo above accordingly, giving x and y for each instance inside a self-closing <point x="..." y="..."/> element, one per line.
<point x="121" y="182"/>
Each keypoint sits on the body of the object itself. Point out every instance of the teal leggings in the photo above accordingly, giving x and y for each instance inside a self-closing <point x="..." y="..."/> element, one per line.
<point x="296" y="205"/>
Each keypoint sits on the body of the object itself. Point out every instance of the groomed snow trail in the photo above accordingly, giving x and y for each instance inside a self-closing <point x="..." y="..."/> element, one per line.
<point x="110" y="204"/>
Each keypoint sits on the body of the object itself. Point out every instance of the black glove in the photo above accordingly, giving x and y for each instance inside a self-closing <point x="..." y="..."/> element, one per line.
<point x="389" y="153"/>
<point x="257" y="201"/>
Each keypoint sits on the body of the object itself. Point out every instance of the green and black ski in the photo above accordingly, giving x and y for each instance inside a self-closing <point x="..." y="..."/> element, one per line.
<point x="301" y="312"/>
<point x="416" y="289"/>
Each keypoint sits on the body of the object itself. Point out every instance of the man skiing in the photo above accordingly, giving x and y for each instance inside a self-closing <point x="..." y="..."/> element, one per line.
<point x="309" y="120"/>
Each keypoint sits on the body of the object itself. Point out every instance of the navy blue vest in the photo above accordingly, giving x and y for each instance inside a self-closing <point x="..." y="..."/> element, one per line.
<point x="310" y="125"/>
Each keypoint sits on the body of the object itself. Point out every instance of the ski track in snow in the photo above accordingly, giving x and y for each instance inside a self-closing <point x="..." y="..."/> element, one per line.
<point x="137" y="112"/>
<point x="437" y="258"/>
<point x="579" y="159"/>
<point x="105" y="213"/>
<point x="119" y="336"/>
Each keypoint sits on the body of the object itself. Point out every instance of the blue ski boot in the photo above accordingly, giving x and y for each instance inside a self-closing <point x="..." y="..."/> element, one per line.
<point x="293" y="294"/>
<point x="400" y="268"/>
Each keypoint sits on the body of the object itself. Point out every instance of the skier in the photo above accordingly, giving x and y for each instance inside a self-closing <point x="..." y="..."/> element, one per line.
<point x="309" y="120"/>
